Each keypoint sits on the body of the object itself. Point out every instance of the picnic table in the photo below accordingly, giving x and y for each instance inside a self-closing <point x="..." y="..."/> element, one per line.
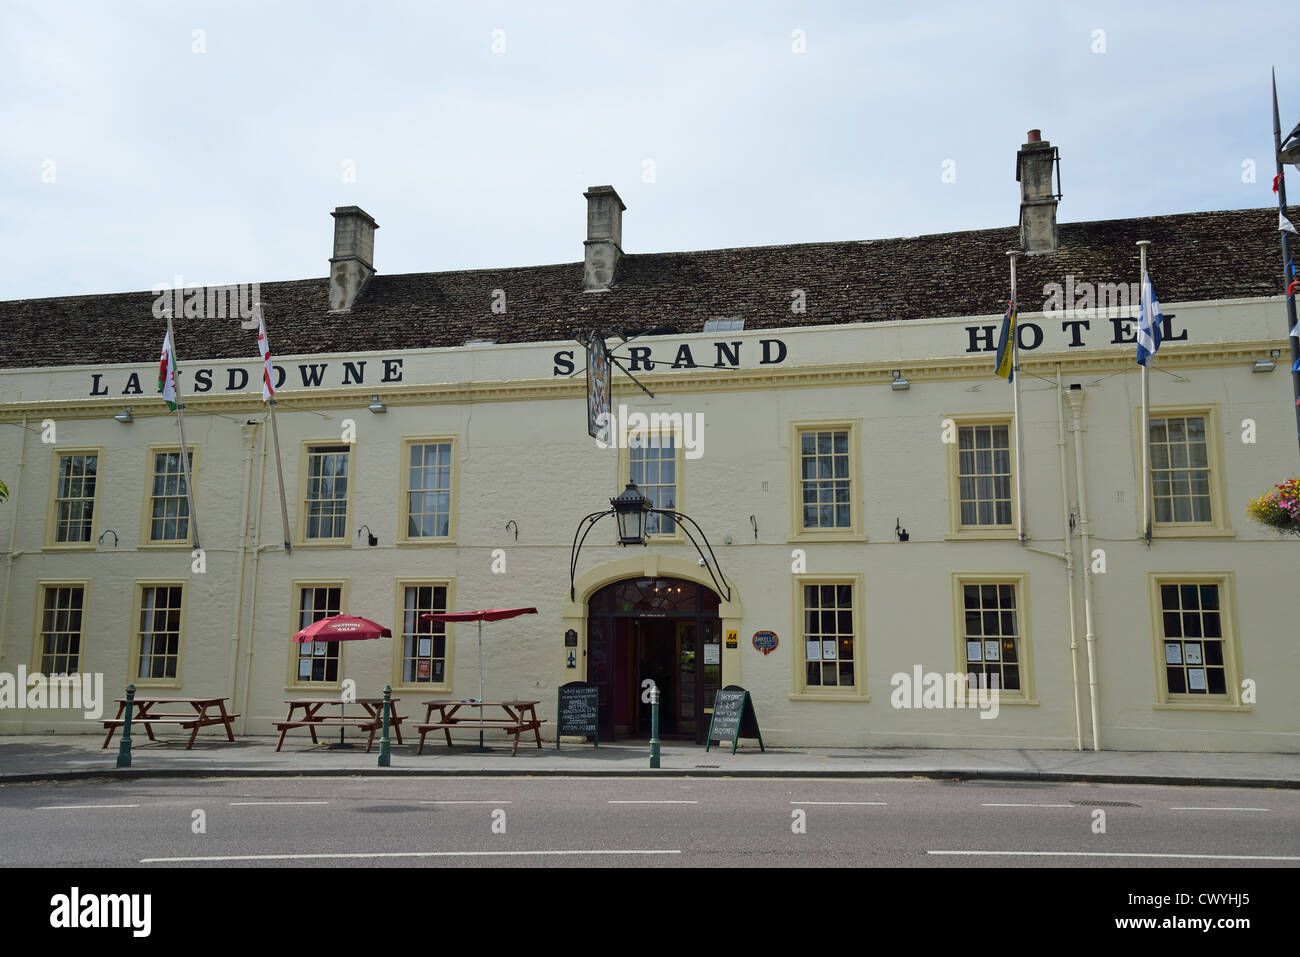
<point x="311" y="719"/>
<point x="518" y="717"/>
<point x="206" y="711"/>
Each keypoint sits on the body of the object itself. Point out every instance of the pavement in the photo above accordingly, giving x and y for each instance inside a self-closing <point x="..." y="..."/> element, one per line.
<point x="49" y="757"/>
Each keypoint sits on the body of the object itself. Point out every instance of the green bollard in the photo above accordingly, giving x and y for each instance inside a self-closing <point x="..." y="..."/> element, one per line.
<point x="385" y="757"/>
<point x="654" y="726"/>
<point x="124" y="746"/>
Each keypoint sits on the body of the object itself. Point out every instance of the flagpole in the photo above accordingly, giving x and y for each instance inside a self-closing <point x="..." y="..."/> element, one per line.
<point x="180" y="422"/>
<point x="1015" y="407"/>
<point x="1146" y="412"/>
<point x="1288" y="268"/>
<point x="275" y="435"/>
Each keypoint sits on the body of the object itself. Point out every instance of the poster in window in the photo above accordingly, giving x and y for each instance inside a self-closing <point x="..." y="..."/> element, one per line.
<point x="422" y="669"/>
<point x="713" y="654"/>
<point x="990" y="649"/>
<point x="1193" y="654"/>
<point x="599" y="390"/>
<point x="318" y="649"/>
<point x="814" y="651"/>
<point x="425" y="648"/>
<point x="973" y="651"/>
<point x="1173" y="653"/>
<point x="304" y="668"/>
<point x="828" y="650"/>
<point x="1196" y="679"/>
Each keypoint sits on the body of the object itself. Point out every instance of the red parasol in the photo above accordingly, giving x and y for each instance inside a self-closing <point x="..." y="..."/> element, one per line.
<point x="496" y="614"/>
<point x="342" y="628"/>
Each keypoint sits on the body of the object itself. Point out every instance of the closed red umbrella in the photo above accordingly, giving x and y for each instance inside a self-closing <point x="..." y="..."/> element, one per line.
<point x="495" y="614"/>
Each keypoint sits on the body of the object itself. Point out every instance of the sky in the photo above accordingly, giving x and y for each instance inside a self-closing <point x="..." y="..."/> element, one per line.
<point x="143" y="141"/>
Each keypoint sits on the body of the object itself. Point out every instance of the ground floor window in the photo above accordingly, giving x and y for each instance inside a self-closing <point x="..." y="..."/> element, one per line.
<point x="159" y="631"/>
<point x="318" y="660"/>
<point x="991" y="635"/>
<point x="61" y="629"/>
<point x="1193" y="639"/>
<point x="424" y="642"/>
<point x="829" y="647"/>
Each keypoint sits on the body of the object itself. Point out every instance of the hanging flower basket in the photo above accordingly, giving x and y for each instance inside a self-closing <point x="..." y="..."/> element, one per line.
<point x="1280" y="508"/>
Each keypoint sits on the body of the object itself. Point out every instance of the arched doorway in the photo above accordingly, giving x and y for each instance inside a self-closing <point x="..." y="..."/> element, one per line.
<point x="660" y="629"/>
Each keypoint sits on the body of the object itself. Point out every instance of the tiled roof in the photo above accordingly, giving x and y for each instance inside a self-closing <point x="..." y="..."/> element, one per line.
<point x="1194" y="256"/>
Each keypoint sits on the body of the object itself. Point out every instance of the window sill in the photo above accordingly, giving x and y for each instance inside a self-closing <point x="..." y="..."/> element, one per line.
<point x="425" y="688"/>
<point x="155" y="683"/>
<point x="824" y="696"/>
<point x="70" y="546"/>
<point x="417" y="542"/>
<point x="814" y="537"/>
<point x="1190" y="531"/>
<point x="325" y="543"/>
<point x="1201" y="706"/>
<point x="316" y="686"/>
<point x="982" y="535"/>
<point x="164" y="545"/>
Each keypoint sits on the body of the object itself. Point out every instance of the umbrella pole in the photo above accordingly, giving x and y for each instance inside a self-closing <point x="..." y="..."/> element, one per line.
<point x="481" y="749"/>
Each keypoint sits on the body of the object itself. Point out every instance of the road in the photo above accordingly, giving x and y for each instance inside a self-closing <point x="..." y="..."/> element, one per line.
<point x="661" y="822"/>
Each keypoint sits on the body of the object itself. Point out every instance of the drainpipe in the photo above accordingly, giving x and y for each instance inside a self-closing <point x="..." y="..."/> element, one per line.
<point x="1066" y="556"/>
<point x="249" y="437"/>
<point x="252" y="601"/>
<point x="1075" y="396"/>
<point x="13" y="535"/>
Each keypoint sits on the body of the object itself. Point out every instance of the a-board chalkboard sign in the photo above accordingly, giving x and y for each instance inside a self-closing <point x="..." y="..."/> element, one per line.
<point x="733" y="718"/>
<point x="578" y="711"/>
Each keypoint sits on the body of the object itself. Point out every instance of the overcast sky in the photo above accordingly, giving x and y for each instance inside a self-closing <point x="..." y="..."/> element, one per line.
<point x="134" y="149"/>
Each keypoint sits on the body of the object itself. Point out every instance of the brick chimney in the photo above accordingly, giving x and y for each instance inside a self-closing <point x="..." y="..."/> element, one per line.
<point x="604" y="244"/>
<point x="354" y="254"/>
<point x="1034" y="165"/>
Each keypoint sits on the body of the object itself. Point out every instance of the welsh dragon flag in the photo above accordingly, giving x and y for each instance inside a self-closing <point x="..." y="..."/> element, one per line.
<point x="167" y="372"/>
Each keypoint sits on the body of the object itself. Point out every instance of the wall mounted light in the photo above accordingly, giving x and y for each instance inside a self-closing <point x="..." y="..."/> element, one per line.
<point x="373" y="539"/>
<point x="900" y="531"/>
<point x="376" y="406"/>
<point x="516" y="526"/>
<point x="108" y="531"/>
<point x="125" y="416"/>
<point x="754" y="522"/>
<point x="1269" y="364"/>
<point x="899" y="383"/>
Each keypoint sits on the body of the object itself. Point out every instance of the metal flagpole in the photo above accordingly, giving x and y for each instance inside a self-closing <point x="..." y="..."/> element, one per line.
<point x="275" y="437"/>
<point x="1146" y="406"/>
<point x="481" y="749"/>
<point x="1015" y="405"/>
<point x="1288" y="268"/>
<point x="180" y="422"/>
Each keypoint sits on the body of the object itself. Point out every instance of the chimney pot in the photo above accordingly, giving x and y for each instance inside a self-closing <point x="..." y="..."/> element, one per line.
<point x="1035" y="136"/>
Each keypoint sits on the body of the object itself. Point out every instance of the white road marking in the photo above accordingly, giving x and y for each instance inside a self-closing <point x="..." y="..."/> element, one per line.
<point x="1218" y="809"/>
<point x="79" y="807"/>
<point x="652" y="802"/>
<point x="466" y="802"/>
<point x="854" y="803"/>
<point x="1026" y="805"/>
<point x="1197" y="857"/>
<point x="271" y="803"/>
<point x="312" y="857"/>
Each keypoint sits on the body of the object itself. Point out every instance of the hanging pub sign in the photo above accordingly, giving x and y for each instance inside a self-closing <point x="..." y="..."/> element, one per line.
<point x="578" y="711"/>
<point x="733" y="718"/>
<point x="765" y="641"/>
<point x="600" y="388"/>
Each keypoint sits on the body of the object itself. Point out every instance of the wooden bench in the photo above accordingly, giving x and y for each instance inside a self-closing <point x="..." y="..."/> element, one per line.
<point x="487" y="724"/>
<point x="365" y="724"/>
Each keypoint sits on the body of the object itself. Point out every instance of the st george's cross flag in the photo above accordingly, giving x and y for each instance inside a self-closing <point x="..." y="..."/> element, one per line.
<point x="167" y="372"/>
<point x="264" y="347"/>
<point x="1004" y="367"/>
<point x="1150" y="321"/>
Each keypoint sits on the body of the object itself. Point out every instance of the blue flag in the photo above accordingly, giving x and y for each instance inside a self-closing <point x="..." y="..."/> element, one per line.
<point x="1150" y="321"/>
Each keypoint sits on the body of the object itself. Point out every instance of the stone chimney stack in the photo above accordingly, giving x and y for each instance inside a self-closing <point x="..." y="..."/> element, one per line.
<point x="1034" y="166"/>
<point x="604" y="244"/>
<point x="354" y="255"/>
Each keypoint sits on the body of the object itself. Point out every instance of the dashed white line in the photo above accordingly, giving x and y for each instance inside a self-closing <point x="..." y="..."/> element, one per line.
<point x="314" y="857"/>
<point x="80" y="807"/>
<point x="1218" y="809"/>
<point x="838" y="803"/>
<point x="652" y="802"/>
<point x="1197" y="857"/>
<point x="272" y="803"/>
<point x="467" y="802"/>
<point x="1026" y="805"/>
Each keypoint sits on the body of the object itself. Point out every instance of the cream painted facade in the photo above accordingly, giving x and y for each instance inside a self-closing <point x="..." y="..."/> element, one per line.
<point x="521" y="454"/>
